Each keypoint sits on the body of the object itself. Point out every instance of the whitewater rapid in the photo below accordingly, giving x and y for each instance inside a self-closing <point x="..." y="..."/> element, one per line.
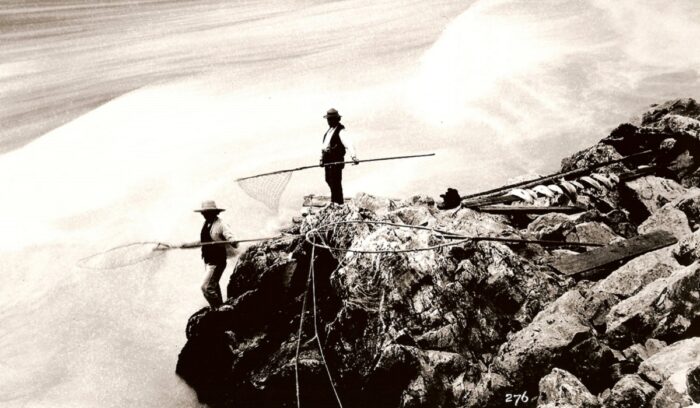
<point x="214" y="91"/>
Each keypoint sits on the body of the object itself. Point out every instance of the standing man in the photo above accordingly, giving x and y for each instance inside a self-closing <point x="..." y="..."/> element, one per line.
<point x="214" y="255"/>
<point x="335" y="144"/>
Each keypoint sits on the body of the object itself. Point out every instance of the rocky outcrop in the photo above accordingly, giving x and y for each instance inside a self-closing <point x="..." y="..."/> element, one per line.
<point x="630" y="392"/>
<point x="469" y="323"/>
<point x="561" y="389"/>
<point x="672" y="369"/>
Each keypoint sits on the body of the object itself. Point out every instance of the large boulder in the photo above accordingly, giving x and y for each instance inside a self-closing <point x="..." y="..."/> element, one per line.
<point x="685" y="107"/>
<point x="558" y="336"/>
<point x="669" y="369"/>
<point x="668" y="218"/>
<point x="552" y="226"/>
<point x="406" y="377"/>
<point x="630" y="392"/>
<point x="560" y="389"/>
<point x="690" y="205"/>
<point x="687" y="250"/>
<point x="598" y="153"/>
<point x="681" y="356"/>
<point x="592" y="232"/>
<point x="665" y="309"/>
<point x="630" y="278"/>
<point x="646" y="195"/>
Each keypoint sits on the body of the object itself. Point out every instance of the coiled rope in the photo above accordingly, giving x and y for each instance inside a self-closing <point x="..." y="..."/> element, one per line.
<point x="315" y="233"/>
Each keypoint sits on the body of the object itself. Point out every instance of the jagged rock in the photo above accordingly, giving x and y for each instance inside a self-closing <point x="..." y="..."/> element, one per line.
<point x="409" y="377"/>
<point x="617" y="219"/>
<point x="669" y="368"/>
<point x="681" y="356"/>
<point x="418" y="215"/>
<point x="422" y="200"/>
<point x="673" y="394"/>
<point x="678" y="124"/>
<point x="553" y="226"/>
<point x="664" y="309"/>
<point x="474" y="223"/>
<point x="668" y="219"/>
<point x="628" y="139"/>
<point x="561" y="389"/>
<point x="630" y="278"/>
<point x="555" y="337"/>
<point x="646" y="195"/>
<point x="687" y="107"/>
<point x="690" y="205"/>
<point x="463" y="326"/>
<point x="687" y="250"/>
<point x="694" y="383"/>
<point x="597" y="307"/>
<point x="637" y="353"/>
<point x="630" y="392"/>
<point x="592" y="232"/>
<point x="371" y="203"/>
<point x="598" y="153"/>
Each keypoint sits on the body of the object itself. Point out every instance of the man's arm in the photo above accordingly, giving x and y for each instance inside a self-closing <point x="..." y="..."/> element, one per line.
<point x="193" y="244"/>
<point x="349" y="147"/>
<point x="223" y="233"/>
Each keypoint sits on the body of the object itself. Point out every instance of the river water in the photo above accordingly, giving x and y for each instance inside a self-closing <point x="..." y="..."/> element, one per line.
<point x="120" y="117"/>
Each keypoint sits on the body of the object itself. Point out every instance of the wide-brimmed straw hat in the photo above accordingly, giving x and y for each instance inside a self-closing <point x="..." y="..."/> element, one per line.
<point x="208" y="206"/>
<point x="332" y="113"/>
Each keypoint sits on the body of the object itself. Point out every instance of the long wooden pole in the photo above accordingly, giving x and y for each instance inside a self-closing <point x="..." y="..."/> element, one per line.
<point x="525" y="241"/>
<point x="334" y="163"/>
<point x="570" y="173"/>
<point x="201" y="244"/>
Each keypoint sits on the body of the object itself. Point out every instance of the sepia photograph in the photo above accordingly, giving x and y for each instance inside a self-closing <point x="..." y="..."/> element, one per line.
<point x="349" y="203"/>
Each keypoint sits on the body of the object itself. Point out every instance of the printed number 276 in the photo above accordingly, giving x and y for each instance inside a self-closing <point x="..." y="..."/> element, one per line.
<point x="517" y="398"/>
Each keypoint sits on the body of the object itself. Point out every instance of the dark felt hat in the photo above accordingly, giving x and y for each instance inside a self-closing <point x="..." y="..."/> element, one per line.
<point x="332" y="113"/>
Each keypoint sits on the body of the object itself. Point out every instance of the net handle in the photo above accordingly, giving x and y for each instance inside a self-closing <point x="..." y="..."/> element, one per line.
<point x="202" y="244"/>
<point x="336" y="163"/>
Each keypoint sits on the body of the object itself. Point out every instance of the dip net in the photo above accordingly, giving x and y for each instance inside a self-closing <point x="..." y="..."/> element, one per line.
<point x="124" y="255"/>
<point x="266" y="188"/>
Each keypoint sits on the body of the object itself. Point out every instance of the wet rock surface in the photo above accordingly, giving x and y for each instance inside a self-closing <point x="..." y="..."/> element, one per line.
<point x="470" y="323"/>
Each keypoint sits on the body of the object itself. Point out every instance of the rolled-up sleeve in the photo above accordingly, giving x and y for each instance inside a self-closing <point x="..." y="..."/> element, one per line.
<point x="222" y="232"/>
<point x="347" y="141"/>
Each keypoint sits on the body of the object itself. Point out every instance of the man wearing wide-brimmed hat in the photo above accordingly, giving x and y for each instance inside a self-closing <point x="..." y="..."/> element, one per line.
<point x="214" y="255"/>
<point x="335" y="144"/>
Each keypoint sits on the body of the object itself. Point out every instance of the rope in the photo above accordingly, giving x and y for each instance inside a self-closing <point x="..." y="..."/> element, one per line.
<point x="459" y="239"/>
<point x="301" y="324"/>
<point x="318" y="338"/>
<point x="312" y="279"/>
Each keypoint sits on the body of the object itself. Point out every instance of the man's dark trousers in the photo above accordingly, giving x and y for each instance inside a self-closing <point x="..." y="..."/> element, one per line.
<point x="334" y="178"/>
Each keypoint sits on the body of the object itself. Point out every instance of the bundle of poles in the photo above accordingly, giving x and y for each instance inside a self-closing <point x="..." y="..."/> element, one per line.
<point x="496" y="195"/>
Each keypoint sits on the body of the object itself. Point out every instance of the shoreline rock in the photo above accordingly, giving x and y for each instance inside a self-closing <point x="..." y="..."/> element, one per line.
<point x="469" y="324"/>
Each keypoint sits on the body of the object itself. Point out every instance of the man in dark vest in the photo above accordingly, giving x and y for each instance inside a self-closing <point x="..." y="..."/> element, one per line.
<point x="214" y="255"/>
<point x="335" y="144"/>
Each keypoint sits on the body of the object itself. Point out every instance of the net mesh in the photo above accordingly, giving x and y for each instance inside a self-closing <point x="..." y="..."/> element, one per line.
<point x="267" y="189"/>
<point x="124" y="255"/>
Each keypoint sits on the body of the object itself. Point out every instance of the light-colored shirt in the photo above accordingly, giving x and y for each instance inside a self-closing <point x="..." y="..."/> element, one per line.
<point x="344" y="139"/>
<point x="220" y="231"/>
